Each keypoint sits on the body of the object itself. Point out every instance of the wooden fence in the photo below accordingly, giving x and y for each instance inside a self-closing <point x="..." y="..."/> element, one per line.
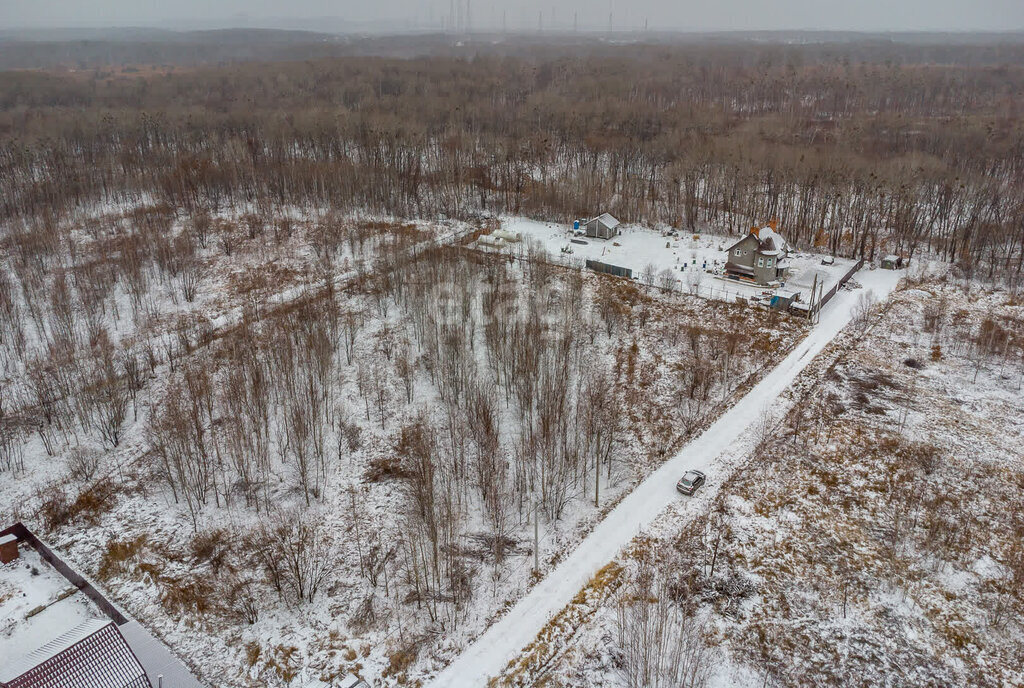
<point x="24" y="535"/>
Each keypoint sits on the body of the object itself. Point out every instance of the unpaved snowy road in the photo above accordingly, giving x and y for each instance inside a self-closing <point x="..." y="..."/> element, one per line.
<point x="493" y="650"/>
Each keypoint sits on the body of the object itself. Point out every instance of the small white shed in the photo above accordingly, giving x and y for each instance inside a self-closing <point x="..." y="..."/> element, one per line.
<point x="604" y="226"/>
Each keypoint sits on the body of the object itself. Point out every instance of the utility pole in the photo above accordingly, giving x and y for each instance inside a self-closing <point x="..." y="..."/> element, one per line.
<point x="814" y="292"/>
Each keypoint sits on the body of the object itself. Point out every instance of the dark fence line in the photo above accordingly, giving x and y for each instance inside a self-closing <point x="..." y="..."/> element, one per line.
<point x="25" y="535"/>
<point x="608" y="268"/>
<point x="846" y="278"/>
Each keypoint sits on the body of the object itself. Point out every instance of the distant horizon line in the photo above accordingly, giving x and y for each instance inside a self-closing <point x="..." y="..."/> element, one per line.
<point x="401" y="27"/>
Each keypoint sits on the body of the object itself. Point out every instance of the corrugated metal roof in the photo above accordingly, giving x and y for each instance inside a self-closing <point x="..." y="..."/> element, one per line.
<point x="806" y="279"/>
<point x="93" y="654"/>
<point x="607" y="220"/>
<point x="157" y="659"/>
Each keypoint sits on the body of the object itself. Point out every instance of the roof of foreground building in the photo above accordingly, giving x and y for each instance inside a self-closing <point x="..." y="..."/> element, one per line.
<point x="92" y="654"/>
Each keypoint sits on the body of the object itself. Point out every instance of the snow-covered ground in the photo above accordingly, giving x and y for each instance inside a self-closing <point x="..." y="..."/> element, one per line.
<point x="711" y="452"/>
<point x="693" y="262"/>
<point x="37" y="604"/>
<point x="873" y="533"/>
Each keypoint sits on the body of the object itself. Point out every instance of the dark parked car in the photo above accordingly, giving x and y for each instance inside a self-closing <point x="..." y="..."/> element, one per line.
<point x="689" y="483"/>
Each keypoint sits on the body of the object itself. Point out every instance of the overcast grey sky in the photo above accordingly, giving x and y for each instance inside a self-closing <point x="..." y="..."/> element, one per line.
<point x="695" y="15"/>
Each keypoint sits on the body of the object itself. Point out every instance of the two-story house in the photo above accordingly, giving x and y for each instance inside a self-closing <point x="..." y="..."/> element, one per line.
<point x="758" y="257"/>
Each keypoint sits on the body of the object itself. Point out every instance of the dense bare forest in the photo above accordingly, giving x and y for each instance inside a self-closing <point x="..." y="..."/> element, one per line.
<point x="846" y="151"/>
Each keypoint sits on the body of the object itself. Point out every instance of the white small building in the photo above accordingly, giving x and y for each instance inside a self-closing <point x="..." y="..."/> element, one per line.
<point x="604" y="226"/>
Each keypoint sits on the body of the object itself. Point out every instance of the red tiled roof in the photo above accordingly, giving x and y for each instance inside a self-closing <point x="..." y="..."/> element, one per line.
<point x="93" y="654"/>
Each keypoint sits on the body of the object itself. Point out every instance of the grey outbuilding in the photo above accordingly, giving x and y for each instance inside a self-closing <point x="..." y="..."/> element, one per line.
<point x="604" y="226"/>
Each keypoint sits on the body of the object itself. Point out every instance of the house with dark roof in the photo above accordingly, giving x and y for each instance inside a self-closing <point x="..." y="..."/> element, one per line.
<point x="57" y="630"/>
<point x="92" y="654"/>
<point x="760" y="257"/>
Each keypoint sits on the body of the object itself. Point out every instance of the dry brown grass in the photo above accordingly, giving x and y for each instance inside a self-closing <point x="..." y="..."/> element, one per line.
<point x="188" y="597"/>
<point x="88" y="507"/>
<point x="264" y="279"/>
<point x="253" y="650"/>
<point x="285" y="661"/>
<point x="118" y="555"/>
<point x="400" y="660"/>
<point x="552" y="639"/>
<point x="383" y="468"/>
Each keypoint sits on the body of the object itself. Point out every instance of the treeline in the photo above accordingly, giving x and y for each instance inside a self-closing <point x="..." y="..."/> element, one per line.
<point x="852" y="156"/>
<point x="108" y="51"/>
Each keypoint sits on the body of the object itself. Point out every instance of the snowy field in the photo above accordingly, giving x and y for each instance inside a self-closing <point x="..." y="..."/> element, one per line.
<point x="694" y="263"/>
<point x="35" y="605"/>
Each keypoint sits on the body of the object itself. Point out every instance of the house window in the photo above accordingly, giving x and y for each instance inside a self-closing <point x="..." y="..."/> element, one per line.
<point x="738" y="252"/>
<point x="769" y="263"/>
<point x="760" y="262"/>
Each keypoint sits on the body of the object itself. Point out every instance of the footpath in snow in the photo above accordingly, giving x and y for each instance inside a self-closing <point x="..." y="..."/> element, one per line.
<point x="502" y="642"/>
